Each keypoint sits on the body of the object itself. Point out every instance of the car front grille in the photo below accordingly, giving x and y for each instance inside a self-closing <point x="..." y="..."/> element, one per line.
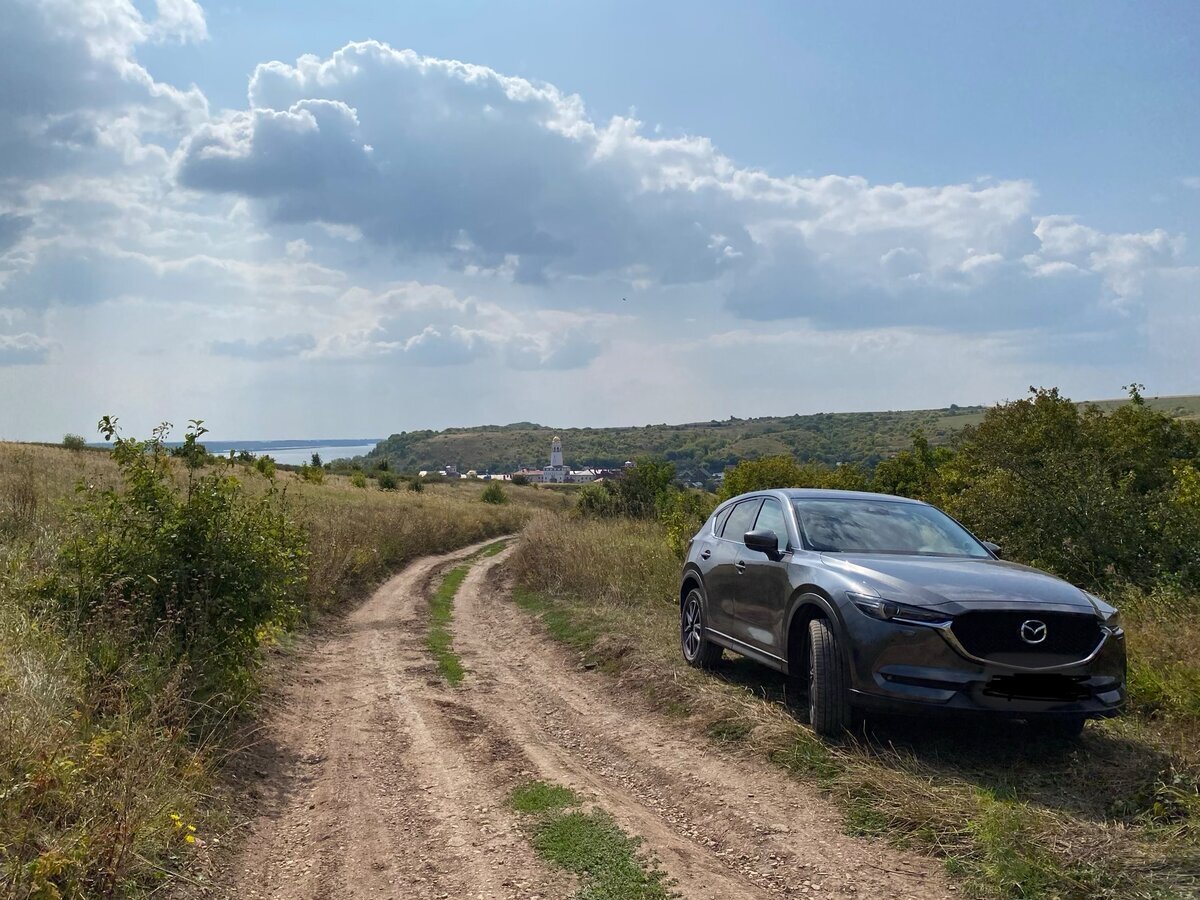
<point x="996" y="635"/>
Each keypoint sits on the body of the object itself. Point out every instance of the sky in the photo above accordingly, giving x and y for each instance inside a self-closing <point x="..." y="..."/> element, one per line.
<point x="306" y="219"/>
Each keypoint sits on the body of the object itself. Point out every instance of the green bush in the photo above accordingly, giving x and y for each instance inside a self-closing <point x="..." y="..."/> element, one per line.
<point x="493" y="493"/>
<point x="387" y="481"/>
<point x="265" y="466"/>
<point x="520" y="480"/>
<point x="1093" y="497"/>
<point x="416" y="485"/>
<point x="358" y="479"/>
<point x="74" y="442"/>
<point x="197" y="573"/>
<point x="313" y="474"/>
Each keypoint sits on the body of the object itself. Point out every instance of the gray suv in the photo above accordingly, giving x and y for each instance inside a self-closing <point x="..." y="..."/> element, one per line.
<point x="874" y="602"/>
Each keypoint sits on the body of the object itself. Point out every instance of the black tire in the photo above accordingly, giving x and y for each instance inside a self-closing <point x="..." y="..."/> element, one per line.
<point x="828" y="697"/>
<point x="698" y="651"/>
<point x="1063" y="728"/>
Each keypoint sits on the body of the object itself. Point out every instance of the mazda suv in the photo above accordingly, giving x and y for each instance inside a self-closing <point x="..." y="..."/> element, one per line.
<point x="874" y="602"/>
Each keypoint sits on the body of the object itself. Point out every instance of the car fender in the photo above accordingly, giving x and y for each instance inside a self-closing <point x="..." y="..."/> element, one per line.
<point x="691" y="572"/>
<point x="810" y="595"/>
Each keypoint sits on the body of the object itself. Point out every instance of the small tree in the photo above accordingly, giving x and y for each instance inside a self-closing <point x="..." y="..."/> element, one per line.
<point x="358" y="479"/>
<point x="520" y="480"/>
<point x="316" y="460"/>
<point x="74" y="442"/>
<point x="493" y="493"/>
<point x="387" y="481"/>
<point x="416" y="485"/>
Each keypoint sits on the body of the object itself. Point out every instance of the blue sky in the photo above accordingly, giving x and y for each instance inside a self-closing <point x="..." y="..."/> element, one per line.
<point x="875" y="205"/>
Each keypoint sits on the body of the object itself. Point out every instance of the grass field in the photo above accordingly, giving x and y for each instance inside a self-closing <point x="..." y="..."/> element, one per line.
<point x="1117" y="815"/>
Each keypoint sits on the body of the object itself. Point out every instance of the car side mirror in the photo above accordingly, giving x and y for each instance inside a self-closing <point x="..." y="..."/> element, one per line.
<point x="994" y="548"/>
<point x="762" y="540"/>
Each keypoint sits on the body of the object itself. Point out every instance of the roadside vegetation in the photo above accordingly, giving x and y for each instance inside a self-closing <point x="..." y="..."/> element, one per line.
<point x="589" y="844"/>
<point x="140" y="591"/>
<point x="1106" y="498"/>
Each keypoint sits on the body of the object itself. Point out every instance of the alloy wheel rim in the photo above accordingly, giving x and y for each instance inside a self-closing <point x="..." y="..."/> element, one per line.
<point x="691" y="628"/>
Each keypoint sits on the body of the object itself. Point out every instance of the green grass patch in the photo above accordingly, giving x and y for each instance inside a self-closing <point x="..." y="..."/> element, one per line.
<point x="609" y="862"/>
<point x="441" y="611"/>
<point x="558" y="620"/>
<point x="541" y="796"/>
<point x="493" y="549"/>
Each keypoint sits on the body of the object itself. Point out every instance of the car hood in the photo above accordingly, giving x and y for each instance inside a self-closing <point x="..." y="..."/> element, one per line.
<point x="958" y="581"/>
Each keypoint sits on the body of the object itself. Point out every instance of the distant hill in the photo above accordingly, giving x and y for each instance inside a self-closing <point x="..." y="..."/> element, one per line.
<point x="698" y="448"/>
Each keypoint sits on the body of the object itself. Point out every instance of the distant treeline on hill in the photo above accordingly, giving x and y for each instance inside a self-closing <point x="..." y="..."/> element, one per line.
<point x="699" y="449"/>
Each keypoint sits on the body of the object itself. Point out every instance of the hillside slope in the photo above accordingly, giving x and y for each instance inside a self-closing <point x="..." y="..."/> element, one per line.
<point x="698" y="447"/>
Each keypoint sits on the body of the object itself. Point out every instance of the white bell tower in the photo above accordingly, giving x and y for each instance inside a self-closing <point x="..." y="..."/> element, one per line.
<point x="556" y="454"/>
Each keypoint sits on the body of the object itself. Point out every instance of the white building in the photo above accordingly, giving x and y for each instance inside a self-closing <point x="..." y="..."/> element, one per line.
<point x="558" y="472"/>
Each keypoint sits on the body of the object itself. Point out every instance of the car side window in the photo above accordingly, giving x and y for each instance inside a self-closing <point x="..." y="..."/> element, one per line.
<point x="720" y="523"/>
<point x="771" y="518"/>
<point x="741" y="519"/>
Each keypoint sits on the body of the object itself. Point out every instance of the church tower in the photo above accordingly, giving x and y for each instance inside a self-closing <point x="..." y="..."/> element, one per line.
<point x="556" y="454"/>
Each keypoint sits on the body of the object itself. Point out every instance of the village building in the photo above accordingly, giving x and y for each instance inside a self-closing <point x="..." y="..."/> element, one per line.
<point x="557" y="472"/>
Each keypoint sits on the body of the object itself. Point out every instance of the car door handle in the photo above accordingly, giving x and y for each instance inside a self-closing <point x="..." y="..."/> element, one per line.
<point x="705" y="554"/>
<point x="741" y="566"/>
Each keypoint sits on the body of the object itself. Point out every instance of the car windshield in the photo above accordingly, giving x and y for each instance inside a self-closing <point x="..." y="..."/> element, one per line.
<point x="883" y="526"/>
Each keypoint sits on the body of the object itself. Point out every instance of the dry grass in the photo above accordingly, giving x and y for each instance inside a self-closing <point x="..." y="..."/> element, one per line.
<point x="99" y="777"/>
<point x="1012" y="816"/>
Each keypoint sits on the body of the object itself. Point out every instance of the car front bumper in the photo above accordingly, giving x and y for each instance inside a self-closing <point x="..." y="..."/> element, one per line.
<point x="911" y="668"/>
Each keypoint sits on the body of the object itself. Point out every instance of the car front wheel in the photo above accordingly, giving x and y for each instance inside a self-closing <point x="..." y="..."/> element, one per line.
<point x="698" y="651"/>
<point x="828" y="697"/>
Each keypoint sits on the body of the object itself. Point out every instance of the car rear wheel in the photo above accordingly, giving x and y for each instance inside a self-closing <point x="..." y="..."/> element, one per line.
<point x="698" y="650"/>
<point x="828" y="697"/>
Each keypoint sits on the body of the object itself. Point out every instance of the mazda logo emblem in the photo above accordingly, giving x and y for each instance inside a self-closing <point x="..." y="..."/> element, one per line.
<point x="1033" y="631"/>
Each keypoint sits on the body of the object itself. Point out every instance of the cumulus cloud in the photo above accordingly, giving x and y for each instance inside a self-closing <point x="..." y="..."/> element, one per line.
<point x="73" y="90"/>
<point x="497" y="175"/>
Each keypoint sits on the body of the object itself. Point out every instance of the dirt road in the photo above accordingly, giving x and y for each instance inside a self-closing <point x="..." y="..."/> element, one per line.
<point x="377" y="779"/>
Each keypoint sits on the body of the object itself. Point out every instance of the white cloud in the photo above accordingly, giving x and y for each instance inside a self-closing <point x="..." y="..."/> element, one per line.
<point x="74" y="94"/>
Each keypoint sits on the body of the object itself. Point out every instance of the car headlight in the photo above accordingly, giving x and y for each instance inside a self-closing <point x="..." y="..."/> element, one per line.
<point x="889" y="610"/>
<point x="1109" y="615"/>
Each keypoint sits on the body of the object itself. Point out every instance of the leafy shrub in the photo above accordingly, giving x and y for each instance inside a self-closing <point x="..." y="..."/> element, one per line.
<point x="416" y="485"/>
<point x="265" y="466"/>
<point x="74" y="442"/>
<point x="1093" y="497"/>
<point x="316" y="461"/>
<point x="682" y="514"/>
<point x="493" y="493"/>
<point x="387" y="481"/>
<point x="520" y="480"/>
<point x="197" y="572"/>
<point x="358" y="479"/>
<point x="313" y="474"/>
